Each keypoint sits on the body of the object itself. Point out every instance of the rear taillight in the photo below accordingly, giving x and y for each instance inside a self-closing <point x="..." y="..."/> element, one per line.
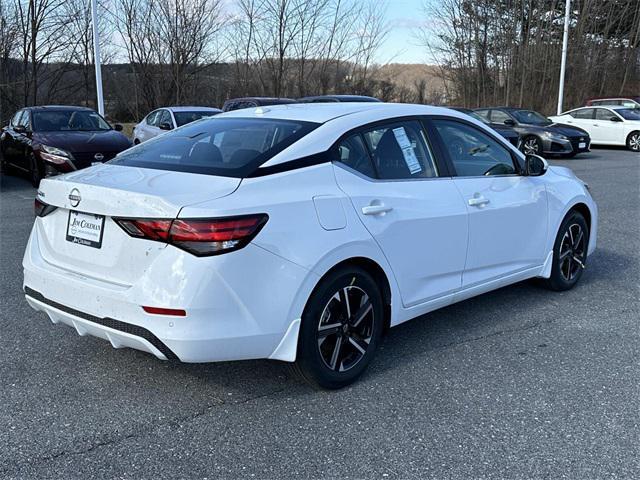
<point x="201" y="237"/>
<point x="42" y="209"/>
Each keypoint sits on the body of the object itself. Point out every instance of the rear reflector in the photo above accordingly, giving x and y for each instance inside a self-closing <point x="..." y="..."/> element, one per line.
<point x="199" y="236"/>
<point x="42" y="209"/>
<point x="165" y="311"/>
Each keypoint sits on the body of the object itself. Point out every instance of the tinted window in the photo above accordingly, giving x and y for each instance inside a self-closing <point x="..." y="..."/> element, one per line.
<point x="582" y="113"/>
<point x="629" y="113"/>
<point x="353" y="153"/>
<point x="15" y="121"/>
<point x="230" y="147"/>
<point x="473" y="152"/>
<point x="400" y="150"/>
<point x="182" y="118"/>
<point x="530" y="117"/>
<point x="498" y="116"/>
<point x="604" y="114"/>
<point x="152" y="118"/>
<point x="165" y="117"/>
<point x="483" y="113"/>
<point x="68" y="120"/>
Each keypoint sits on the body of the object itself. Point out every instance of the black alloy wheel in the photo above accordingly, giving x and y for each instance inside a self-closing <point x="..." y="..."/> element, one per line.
<point x="569" y="253"/>
<point x="341" y="327"/>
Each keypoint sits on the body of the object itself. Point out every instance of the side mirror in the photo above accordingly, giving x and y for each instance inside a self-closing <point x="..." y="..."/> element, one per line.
<point x="615" y="119"/>
<point x="117" y="127"/>
<point x="165" y="126"/>
<point x="20" y="129"/>
<point x="535" y="165"/>
<point x="509" y="122"/>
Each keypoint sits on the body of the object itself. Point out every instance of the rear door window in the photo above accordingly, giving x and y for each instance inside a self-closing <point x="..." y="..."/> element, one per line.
<point x="584" y="113"/>
<point x="400" y="151"/>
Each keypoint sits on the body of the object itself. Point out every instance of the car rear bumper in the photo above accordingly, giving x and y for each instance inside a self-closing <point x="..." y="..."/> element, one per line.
<point x="238" y="307"/>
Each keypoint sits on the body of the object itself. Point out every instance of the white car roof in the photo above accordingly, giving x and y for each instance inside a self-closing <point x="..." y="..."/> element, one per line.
<point x="324" y="112"/>
<point x="336" y="119"/>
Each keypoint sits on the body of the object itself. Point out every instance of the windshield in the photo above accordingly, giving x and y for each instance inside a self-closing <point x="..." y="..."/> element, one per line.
<point x="629" y="113"/>
<point x="228" y="147"/>
<point x="68" y="120"/>
<point x="182" y="118"/>
<point x="530" y="117"/>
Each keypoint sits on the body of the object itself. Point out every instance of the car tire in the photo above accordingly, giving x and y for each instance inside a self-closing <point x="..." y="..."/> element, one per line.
<point x="633" y="141"/>
<point x="35" y="171"/>
<point x="341" y="328"/>
<point x="136" y="141"/>
<point x="532" y="145"/>
<point x="569" y="253"/>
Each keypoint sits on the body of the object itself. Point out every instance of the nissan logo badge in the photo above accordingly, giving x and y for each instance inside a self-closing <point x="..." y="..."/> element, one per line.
<point x="74" y="197"/>
<point x="99" y="157"/>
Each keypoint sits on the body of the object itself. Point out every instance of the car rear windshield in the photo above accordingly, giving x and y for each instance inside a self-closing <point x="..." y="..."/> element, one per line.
<point x="228" y="147"/>
<point x="629" y="113"/>
<point x="182" y="118"/>
<point x="68" y="121"/>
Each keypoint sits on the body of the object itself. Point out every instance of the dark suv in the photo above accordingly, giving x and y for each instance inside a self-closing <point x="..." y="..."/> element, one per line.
<point x="539" y="134"/>
<point x="49" y="140"/>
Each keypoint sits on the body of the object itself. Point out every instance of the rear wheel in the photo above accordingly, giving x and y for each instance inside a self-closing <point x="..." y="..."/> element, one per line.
<point x="569" y="253"/>
<point x="341" y="328"/>
<point x="633" y="141"/>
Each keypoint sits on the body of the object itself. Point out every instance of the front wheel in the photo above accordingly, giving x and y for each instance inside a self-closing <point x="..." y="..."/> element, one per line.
<point x="633" y="142"/>
<point x="569" y="253"/>
<point x="341" y="327"/>
<point x="532" y="146"/>
<point x="35" y="172"/>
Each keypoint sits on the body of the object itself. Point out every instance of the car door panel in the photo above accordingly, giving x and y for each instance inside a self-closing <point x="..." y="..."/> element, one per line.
<point x="508" y="232"/>
<point x="420" y="224"/>
<point x="507" y="212"/>
<point x="606" y="131"/>
<point x="423" y="234"/>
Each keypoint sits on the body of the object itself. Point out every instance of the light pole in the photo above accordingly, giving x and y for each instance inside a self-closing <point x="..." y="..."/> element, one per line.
<point x="563" y="64"/>
<point x="96" y="55"/>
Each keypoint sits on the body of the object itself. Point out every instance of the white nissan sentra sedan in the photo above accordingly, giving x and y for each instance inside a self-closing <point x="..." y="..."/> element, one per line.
<point x="299" y="233"/>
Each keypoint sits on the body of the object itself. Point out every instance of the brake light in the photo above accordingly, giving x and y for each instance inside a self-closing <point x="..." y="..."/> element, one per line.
<point x="165" y="311"/>
<point x="42" y="209"/>
<point x="200" y="237"/>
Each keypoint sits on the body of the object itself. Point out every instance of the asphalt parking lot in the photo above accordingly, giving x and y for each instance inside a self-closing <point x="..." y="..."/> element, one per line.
<point x="518" y="383"/>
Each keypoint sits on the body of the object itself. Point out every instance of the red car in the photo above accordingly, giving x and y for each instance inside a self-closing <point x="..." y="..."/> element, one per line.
<point x="48" y="140"/>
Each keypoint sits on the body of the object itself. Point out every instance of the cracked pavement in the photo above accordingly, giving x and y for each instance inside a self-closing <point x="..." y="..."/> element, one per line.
<point x="517" y="383"/>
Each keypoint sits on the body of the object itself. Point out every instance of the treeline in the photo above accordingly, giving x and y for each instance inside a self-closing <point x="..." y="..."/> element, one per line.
<point x="508" y="51"/>
<point x="172" y="52"/>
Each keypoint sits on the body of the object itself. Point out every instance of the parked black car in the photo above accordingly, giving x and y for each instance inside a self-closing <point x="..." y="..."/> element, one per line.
<point x="49" y="140"/>
<point x="337" y="98"/>
<point x="506" y="131"/>
<point x="539" y="134"/>
<point x="252" y="102"/>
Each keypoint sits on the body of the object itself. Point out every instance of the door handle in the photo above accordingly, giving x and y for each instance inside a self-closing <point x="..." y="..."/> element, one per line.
<point x="478" y="201"/>
<point x="375" y="209"/>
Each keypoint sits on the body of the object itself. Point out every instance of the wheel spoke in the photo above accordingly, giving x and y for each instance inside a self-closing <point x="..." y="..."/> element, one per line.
<point x="571" y="234"/>
<point x="330" y="329"/>
<point x="336" y="354"/>
<point x="362" y="312"/>
<point x="358" y="344"/>
<point x="576" y="244"/>
<point x="565" y="253"/>
<point x="344" y="298"/>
